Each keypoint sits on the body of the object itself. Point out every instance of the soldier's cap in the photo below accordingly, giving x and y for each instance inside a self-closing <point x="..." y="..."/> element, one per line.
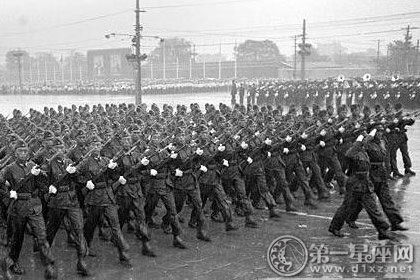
<point x="377" y="107"/>
<point x="80" y="132"/>
<point x="322" y="113"/>
<point x="134" y="128"/>
<point x="20" y="144"/>
<point x="48" y="135"/>
<point x="93" y="126"/>
<point x="398" y="106"/>
<point x="354" y="107"/>
<point x="315" y="106"/>
<point x="58" y="142"/>
<point x="94" y="139"/>
<point x="12" y="137"/>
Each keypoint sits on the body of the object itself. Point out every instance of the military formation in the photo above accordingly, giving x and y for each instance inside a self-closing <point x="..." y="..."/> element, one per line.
<point x="334" y="92"/>
<point x="110" y="165"/>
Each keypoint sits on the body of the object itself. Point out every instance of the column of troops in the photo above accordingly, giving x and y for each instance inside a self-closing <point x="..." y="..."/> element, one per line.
<point x="107" y="166"/>
<point x="334" y="93"/>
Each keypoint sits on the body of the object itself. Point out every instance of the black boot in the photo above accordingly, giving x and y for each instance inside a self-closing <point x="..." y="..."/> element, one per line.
<point x="166" y="228"/>
<point x="125" y="260"/>
<point x="50" y="272"/>
<point x="408" y="171"/>
<point x="82" y="268"/>
<point x="311" y="204"/>
<point x="336" y="232"/>
<point x="397" y="174"/>
<point x="5" y="266"/>
<point x="178" y="243"/>
<point x="202" y="236"/>
<point x="398" y="227"/>
<point x="352" y="224"/>
<point x="147" y="250"/>
<point x="249" y="222"/>
<point x="386" y="235"/>
<point x="274" y="214"/>
<point x="231" y="227"/>
<point x="215" y="217"/>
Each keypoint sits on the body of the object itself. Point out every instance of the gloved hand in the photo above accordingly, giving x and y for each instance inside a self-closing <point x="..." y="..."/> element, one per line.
<point x="329" y="120"/>
<point x="52" y="189"/>
<point x="285" y="150"/>
<point x="199" y="151"/>
<point x="13" y="194"/>
<point x="268" y="142"/>
<point x="357" y="125"/>
<point x="221" y="148"/>
<point x="288" y="138"/>
<point x="112" y="165"/>
<point x="269" y="154"/>
<point x="249" y="160"/>
<point x="341" y="129"/>
<point x="340" y="141"/>
<point x="244" y="145"/>
<point x="153" y="172"/>
<point x="174" y="155"/>
<point x="322" y="143"/>
<point x="373" y="132"/>
<point x="360" y="138"/>
<point x="212" y="131"/>
<point x="225" y="163"/>
<point x="388" y="130"/>
<point x="90" y="185"/>
<point x="122" y="180"/>
<point x="323" y="132"/>
<point x="144" y="161"/>
<point x="71" y="169"/>
<point x="178" y="172"/>
<point x="303" y="147"/>
<point x="193" y="133"/>
<point x="236" y="137"/>
<point x="304" y="135"/>
<point x="203" y="168"/>
<point x="383" y="121"/>
<point x="35" y="170"/>
<point x="210" y="123"/>
<point x="257" y="133"/>
<point x="395" y="121"/>
<point x="171" y="146"/>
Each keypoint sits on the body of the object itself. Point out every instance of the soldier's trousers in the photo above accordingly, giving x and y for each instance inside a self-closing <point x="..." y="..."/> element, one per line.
<point x="388" y="205"/>
<point x="136" y="205"/>
<point x="75" y="218"/>
<point x="194" y="197"/>
<point x="402" y="145"/>
<point x="235" y="188"/>
<point x="258" y="184"/>
<point x="277" y="177"/>
<point x="110" y="213"/>
<point x="167" y="197"/>
<point x="36" y="222"/>
<point x="333" y="164"/>
<point x="294" y="167"/>
<point x="218" y="196"/>
<point x="316" y="178"/>
<point x="366" y="200"/>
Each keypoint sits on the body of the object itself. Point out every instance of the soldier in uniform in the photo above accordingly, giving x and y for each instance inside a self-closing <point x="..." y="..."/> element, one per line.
<point x="62" y="201"/>
<point x="99" y="174"/>
<point x="24" y="207"/>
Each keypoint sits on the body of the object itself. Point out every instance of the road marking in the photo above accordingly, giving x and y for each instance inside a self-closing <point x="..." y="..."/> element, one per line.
<point x="330" y="218"/>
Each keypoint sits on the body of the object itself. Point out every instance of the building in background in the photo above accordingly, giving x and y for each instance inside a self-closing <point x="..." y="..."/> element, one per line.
<point x="109" y="64"/>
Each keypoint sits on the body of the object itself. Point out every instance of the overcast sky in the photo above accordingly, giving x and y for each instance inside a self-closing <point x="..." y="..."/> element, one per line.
<point x="58" y="26"/>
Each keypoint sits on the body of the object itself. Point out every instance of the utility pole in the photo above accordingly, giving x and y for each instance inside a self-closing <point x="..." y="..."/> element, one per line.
<point x="138" y="55"/>
<point x="406" y="48"/>
<point x="18" y="55"/>
<point x="377" y="56"/>
<point x="302" y="65"/>
<point x="295" y="60"/>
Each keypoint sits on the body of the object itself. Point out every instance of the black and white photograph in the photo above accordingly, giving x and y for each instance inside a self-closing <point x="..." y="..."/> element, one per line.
<point x="209" y="139"/>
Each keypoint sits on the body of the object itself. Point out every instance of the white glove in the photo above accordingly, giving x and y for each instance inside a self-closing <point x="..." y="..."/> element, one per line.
<point x="52" y="189"/>
<point x="236" y="137"/>
<point x="225" y="163"/>
<point x="35" y="171"/>
<point x="249" y="160"/>
<point x="193" y="133"/>
<point x="210" y="123"/>
<point x="221" y="148"/>
<point x="257" y="133"/>
<point x="360" y="138"/>
<point x="13" y="194"/>
<point x="341" y="129"/>
<point x="171" y="146"/>
<point x="303" y="147"/>
<point x="144" y="161"/>
<point x="112" y="165"/>
<point x="395" y="120"/>
<point x="122" y="180"/>
<point x="174" y="155"/>
<point x="383" y="121"/>
<point x="322" y="143"/>
<point x="357" y="125"/>
<point x="178" y="172"/>
<point x="388" y="130"/>
<point x="153" y="172"/>
<point x="199" y="151"/>
<point x="371" y="122"/>
<point x="90" y="185"/>
<point x="269" y="154"/>
<point x="71" y="169"/>
<point x="244" y="145"/>
<point x="285" y="150"/>
<point x="373" y="132"/>
<point x="304" y="135"/>
<point x="288" y="138"/>
<point x="268" y="142"/>
<point x="212" y="131"/>
<point x="341" y="141"/>
<point x="203" y="168"/>
<point x="323" y="132"/>
<point x="329" y="120"/>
